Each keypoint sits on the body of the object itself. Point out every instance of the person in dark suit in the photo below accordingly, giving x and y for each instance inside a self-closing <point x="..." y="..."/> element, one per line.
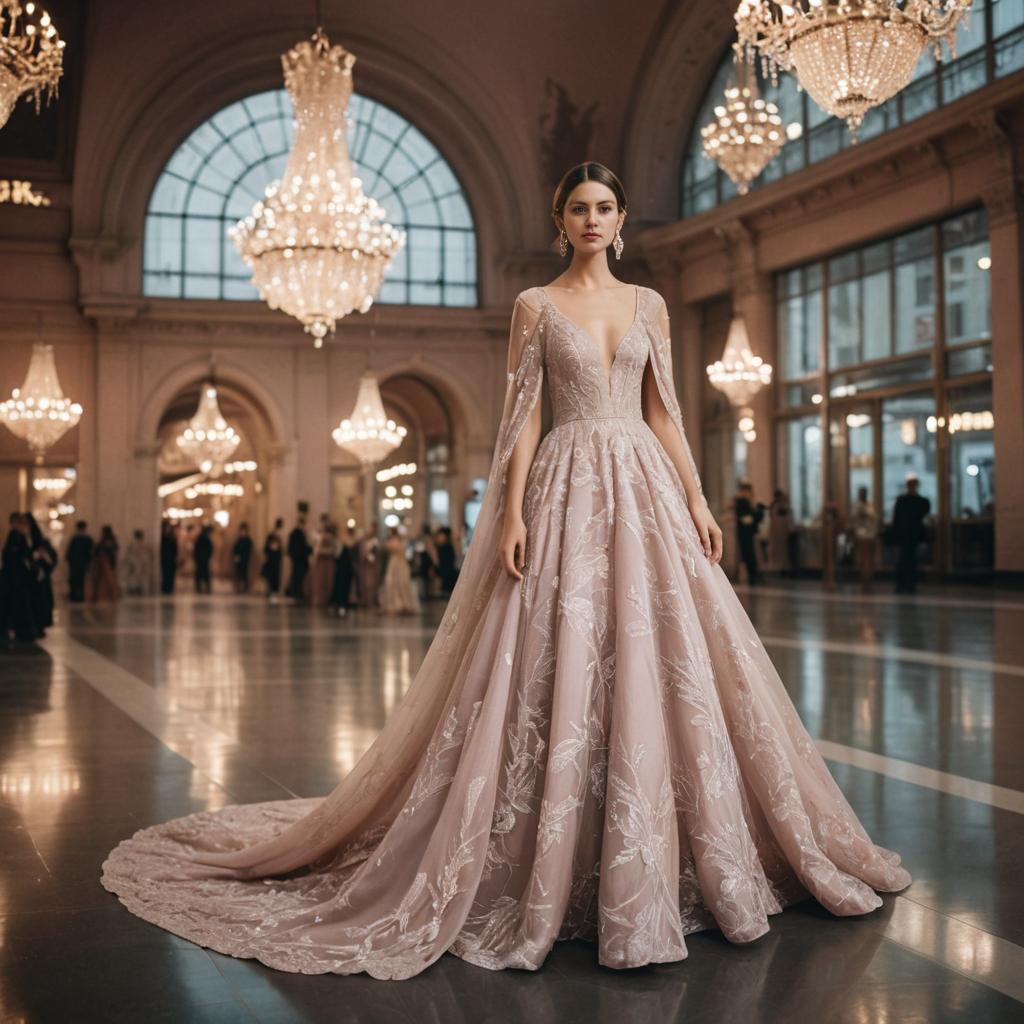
<point x="299" y="551"/>
<point x="168" y="556"/>
<point x="202" y="552"/>
<point x="748" y="514"/>
<point x="271" y="568"/>
<point x="17" y="583"/>
<point x="79" y="558"/>
<point x="446" y="560"/>
<point x="241" y="555"/>
<point x="907" y="532"/>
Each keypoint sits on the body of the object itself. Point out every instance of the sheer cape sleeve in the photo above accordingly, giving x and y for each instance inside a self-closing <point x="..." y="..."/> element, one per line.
<point x="661" y="361"/>
<point x="372" y="794"/>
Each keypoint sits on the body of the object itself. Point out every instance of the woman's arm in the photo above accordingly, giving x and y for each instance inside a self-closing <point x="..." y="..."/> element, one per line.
<point x="513" y="538"/>
<point x="663" y="426"/>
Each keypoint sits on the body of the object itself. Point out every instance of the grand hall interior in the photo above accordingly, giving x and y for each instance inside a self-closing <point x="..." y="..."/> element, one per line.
<point x="281" y="284"/>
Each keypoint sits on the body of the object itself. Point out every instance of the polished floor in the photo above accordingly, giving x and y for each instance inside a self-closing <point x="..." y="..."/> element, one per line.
<point x="126" y="716"/>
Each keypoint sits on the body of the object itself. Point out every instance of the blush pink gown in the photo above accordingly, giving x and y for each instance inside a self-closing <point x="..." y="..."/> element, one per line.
<point x="604" y="751"/>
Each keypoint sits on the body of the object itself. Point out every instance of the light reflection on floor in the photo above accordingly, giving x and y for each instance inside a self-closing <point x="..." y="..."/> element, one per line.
<point x="157" y="708"/>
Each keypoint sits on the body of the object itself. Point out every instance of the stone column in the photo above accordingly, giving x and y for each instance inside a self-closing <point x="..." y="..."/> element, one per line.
<point x="753" y="299"/>
<point x="112" y="497"/>
<point x="1006" y="232"/>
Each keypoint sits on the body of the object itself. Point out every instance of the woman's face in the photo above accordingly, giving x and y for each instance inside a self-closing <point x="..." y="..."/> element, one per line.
<point x="591" y="217"/>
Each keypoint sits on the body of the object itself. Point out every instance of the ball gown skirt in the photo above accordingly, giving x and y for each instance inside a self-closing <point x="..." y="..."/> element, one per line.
<point x="398" y="594"/>
<point x="603" y="751"/>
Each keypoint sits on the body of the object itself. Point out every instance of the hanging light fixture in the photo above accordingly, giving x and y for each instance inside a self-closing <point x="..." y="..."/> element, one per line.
<point x="740" y="375"/>
<point x="38" y="412"/>
<point x="747" y="132"/>
<point x="31" y="55"/>
<point x="208" y="440"/>
<point x="368" y="433"/>
<point x="317" y="245"/>
<point x="850" y="55"/>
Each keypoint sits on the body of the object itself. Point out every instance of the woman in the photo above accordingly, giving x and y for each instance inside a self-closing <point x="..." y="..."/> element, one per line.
<point x="369" y="568"/>
<point x="864" y="524"/>
<point x="325" y="553"/>
<point x="596" y="744"/>
<point x="273" y="549"/>
<point x="344" y="571"/>
<point x="137" y="566"/>
<point x="398" y="591"/>
<point x="202" y="555"/>
<point x="104" y="563"/>
<point x="778" y="532"/>
<point x="44" y="562"/>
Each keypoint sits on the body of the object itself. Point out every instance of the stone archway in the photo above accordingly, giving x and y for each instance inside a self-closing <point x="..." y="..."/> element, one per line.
<point x="247" y="405"/>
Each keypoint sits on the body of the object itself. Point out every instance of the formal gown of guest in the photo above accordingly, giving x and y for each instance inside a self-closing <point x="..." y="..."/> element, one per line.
<point x="325" y="551"/>
<point x="344" y="571"/>
<point x="369" y="569"/>
<point x="104" y="567"/>
<point x="137" y="568"/>
<point x="398" y="594"/>
<point x="271" y="568"/>
<point x="602" y="751"/>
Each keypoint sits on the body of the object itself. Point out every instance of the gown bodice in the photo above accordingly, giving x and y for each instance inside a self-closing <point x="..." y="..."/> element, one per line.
<point x="579" y="387"/>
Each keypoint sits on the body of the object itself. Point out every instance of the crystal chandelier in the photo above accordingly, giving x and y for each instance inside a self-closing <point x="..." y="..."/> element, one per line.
<point x="208" y="440"/>
<point x="38" y="412"/>
<point x="747" y="131"/>
<point x="318" y="247"/>
<point x="740" y="375"/>
<point x="850" y="55"/>
<point x="31" y="55"/>
<point x="368" y="434"/>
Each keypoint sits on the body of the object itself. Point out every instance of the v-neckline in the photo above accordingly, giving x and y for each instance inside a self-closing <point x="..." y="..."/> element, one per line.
<point x="597" y="348"/>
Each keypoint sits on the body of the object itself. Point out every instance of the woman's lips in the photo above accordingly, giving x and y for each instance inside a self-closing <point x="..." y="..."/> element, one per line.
<point x="591" y="234"/>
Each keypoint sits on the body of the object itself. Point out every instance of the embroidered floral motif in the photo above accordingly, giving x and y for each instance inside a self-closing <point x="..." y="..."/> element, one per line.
<point x="604" y="752"/>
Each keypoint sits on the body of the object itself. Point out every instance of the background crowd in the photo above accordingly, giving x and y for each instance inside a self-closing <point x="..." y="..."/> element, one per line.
<point x="766" y="536"/>
<point x="338" y="568"/>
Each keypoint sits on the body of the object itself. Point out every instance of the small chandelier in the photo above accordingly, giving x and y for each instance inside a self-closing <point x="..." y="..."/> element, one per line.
<point x="368" y="434"/>
<point x="38" y="412"/>
<point x="31" y="55"/>
<point x="317" y="245"/>
<point x="740" y="375"/>
<point x="747" y="132"/>
<point x="850" y="55"/>
<point x="208" y="440"/>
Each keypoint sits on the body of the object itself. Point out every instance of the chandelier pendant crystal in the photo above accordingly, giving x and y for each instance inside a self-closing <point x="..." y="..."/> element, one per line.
<point x="740" y="375"/>
<point x="317" y="245"/>
<point x="747" y="132"/>
<point x="208" y="440"/>
<point x="849" y="55"/>
<point x="368" y="434"/>
<point x="38" y="412"/>
<point x="31" y="55"/>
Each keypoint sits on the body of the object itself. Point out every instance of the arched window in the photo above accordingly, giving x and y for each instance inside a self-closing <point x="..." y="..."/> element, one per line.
<point x="989" y="47"/>
<point x="223" y="167"/>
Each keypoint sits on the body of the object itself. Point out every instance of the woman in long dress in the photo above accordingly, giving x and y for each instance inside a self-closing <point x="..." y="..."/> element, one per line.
<point x="596" y="744"/>
<point x="325" y="551"/>
<point x="104" y="567"/>
<point x="398" y="591"/>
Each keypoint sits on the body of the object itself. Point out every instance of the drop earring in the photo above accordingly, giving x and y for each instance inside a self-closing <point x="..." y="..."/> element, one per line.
<point x="563" y="243"/>
<point x="618" y="244"/>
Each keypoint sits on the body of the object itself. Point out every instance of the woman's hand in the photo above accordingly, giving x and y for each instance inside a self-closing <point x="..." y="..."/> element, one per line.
<point x="513" y="546"/>
<point x="708" y="530"/>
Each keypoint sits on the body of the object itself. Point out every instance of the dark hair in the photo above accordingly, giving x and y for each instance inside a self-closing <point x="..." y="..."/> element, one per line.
<point x="588" y="171"/>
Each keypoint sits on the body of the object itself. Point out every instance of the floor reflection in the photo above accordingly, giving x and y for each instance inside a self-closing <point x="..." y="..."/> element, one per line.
<point x="224" y="700"/>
